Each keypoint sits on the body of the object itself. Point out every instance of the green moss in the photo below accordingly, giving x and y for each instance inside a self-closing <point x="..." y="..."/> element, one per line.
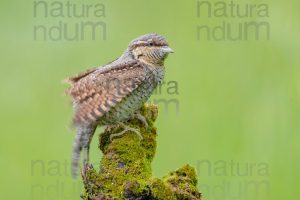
<point x="160" y="190"/>
<point x="186" y="172"/>
<point x="125" y="171"/>
<point x="183" y="183"/>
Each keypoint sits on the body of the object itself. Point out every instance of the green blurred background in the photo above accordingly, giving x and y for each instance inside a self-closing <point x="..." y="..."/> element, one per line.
<point x="239" y="101"/>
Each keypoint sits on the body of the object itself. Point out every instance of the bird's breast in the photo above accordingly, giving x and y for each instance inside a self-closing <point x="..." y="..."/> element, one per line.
<point x="136" y="99"/>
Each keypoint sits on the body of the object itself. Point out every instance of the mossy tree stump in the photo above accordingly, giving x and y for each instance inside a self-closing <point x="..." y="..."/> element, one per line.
<point x="125" y="169"/>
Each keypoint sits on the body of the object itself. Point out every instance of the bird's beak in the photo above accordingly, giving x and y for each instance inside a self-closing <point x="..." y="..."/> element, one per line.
<point x="167" y="49"/>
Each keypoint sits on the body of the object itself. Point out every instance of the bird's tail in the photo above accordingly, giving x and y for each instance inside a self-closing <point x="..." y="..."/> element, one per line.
<point x="77" y="147"/>
<point x="82" y="141"/>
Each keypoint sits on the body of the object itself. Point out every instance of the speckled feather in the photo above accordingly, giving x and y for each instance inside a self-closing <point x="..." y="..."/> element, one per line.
<point x="96" y="93"/>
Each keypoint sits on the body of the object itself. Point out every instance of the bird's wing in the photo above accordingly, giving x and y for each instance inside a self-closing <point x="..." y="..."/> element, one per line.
<point x="73" y="79"/>
<point x="99" y="91"/>
<point x="79" y="76"/>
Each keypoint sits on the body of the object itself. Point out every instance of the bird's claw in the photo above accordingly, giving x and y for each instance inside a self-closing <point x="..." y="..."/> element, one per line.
<point x="126" y="129"/>
<point x="142" y="119"/>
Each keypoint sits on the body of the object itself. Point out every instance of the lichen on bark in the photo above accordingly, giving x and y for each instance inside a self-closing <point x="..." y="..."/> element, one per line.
<point x="125" y="168"/>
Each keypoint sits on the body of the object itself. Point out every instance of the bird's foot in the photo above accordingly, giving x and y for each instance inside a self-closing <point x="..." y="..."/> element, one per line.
<point x="143" y="119"/>
<point x="126" y="129"/>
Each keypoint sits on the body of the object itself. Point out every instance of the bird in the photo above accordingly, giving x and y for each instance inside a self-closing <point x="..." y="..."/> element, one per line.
<point x="113" y="93"/>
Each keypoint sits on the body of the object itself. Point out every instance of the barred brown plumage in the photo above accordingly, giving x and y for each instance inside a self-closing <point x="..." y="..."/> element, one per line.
<point x="112" y="94"/>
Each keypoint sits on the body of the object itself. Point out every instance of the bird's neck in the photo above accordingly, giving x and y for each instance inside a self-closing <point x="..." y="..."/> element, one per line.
<point x="147" y="58"/>
<point x="151" y="62"/>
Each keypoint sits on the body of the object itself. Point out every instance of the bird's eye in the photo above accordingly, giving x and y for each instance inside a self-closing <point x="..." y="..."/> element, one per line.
<point x="151" y="44"/>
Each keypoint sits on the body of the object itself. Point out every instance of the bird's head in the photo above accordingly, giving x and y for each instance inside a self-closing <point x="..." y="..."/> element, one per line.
<point x="150" y="48"/>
